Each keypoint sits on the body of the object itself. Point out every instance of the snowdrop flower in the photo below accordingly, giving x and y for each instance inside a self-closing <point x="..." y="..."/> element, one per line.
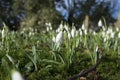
<point x="103" y="34"/>
<point x="73" y="31"/>
<point x="30" y="34"/>
<point x="109" y="30"/>
<point x="47" y="29"/>
<point x="38" y="42"/>
<point x="30" y="29"/>
<point x="66" y="28"/>
<point x="76" y="33"/>
<point x="112" y="35"/>
<point x="96" y="49"/>
<point x="69" y="35"/>
<point x="100" y="23"/>
<point x="83" y="26"/>
<point x="94" y="33"/>
<point x="16" y="75"/>
<point x="117" y="29"/>
<point x="49" y="26"/>
<point x="80" y="32"/>
<point x="59" y="37"/>
<point x="59" y="28"/>
<point x="119" y="35"/>
<point x="3" y="33"/>
<point x="58" y="40"/>
<point x="53" y="38"/>
<point x="105" y="39"/>
<point x="85" y="31"/>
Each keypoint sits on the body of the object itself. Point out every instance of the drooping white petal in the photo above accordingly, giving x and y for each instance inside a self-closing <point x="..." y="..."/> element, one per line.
<point x="59" y="37"/>
<point x="73" y="31"/>
<point x="94" y="33"/>
<point x="69" y="35"/>
<point x="119" y="35"/>
<point x="105" y="39"/>
<point x="96" y="49"/>
<point x="85" y="31"/>
<point x="3" y="33"/>
<point x="16" y="75"/>
<point x="109" y="30"/>
<point x="83" y="27"/>
<point x="100" y="23"/>
<point x="47" y="29"/>
<point x="117" y="29"/>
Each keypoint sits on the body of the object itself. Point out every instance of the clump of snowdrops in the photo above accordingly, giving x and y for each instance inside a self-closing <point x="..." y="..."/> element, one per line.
<point x="50" y="47"/>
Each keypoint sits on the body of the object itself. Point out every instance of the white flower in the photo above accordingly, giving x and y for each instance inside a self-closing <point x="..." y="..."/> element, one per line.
<point x="66" y="28"/>
<point x="59" y="28"/>
<point x="30" y="34"/>
<point x="85" y="31"/>
<point x="117" y="29"/>
<point x="59" y="38"/>
<point x="105" y="39"/>
<point x="80" y="32"/>
<point x="3" y="33"/>
<point x="103" y="34"/>
<point x="112" y="35"/>
<point x="47" y="29"/>
<point x="96" y="49"/>
<point x="49" y="26"/>
<point x="119" y="35"/>
<point x="16" y="75"/>
<point x="94" y="33"/>
<point x="38" y="42"/>
<point x="109" y="30"/>
<point x="76" y="33"/>
<point x="73" y="31"/>
<point x="100" y="23"/>
<point x="83" y="26"/>
<point x="69" y="35"/>
<point x="53" y="39"/>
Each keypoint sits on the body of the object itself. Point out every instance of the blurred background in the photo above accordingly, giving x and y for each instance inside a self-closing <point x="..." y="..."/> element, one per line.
<point x="18" y="14"/>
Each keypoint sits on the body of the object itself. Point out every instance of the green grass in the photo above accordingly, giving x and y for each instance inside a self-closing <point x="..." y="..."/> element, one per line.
<point x="35" y="54"/>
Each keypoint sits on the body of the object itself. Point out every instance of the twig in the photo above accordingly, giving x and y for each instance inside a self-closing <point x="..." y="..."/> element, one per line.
<point x="81" y="74"/>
